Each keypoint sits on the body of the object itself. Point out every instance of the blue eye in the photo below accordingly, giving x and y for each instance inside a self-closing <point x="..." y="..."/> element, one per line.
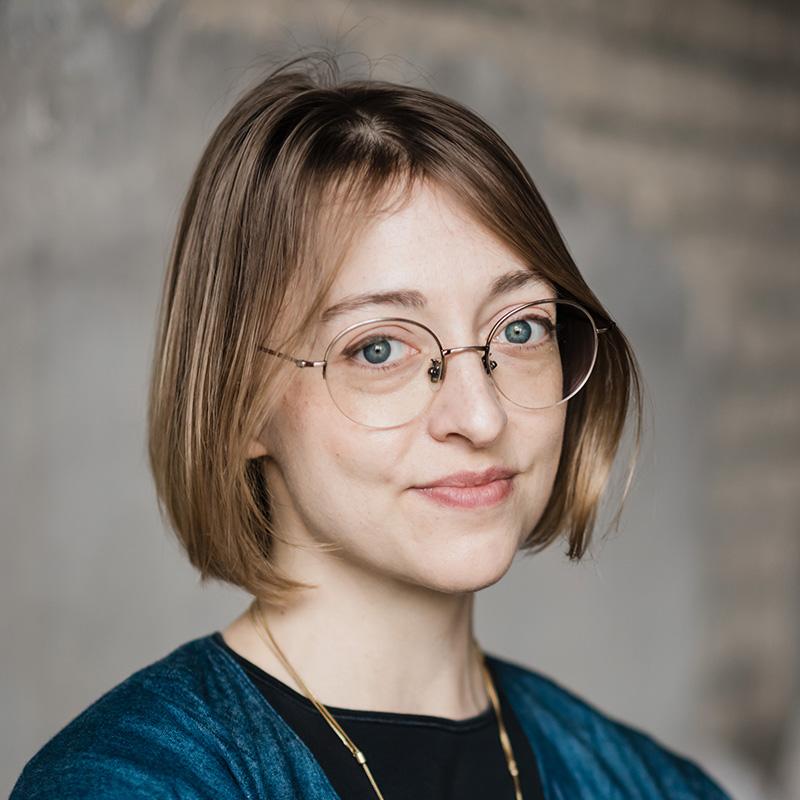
<point x="520" y="331"/>
<point x="376" y="351"/>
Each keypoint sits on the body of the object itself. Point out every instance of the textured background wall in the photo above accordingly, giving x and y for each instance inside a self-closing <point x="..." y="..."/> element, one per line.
<point x="664" y="136"/>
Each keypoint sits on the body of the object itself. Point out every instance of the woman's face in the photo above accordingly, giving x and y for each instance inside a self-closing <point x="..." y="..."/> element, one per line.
<point x="333" y="480"/>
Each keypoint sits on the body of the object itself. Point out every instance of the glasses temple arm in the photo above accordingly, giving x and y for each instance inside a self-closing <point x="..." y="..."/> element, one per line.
<point x="298" y="362"/>
<point x="610" y="327"/>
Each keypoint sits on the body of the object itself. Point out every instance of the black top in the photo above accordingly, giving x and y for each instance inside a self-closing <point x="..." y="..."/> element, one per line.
<point x="410" y="755"/>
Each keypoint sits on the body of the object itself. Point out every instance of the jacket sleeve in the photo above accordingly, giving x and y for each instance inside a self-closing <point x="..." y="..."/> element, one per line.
<point x="131" y="744"/>
<point x="664" y="772"/>
<point x="584" y="753"/>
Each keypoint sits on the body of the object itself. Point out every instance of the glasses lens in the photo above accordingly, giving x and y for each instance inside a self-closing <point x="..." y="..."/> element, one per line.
<point x="544" y="353"/>
<point x="377" y="373"/>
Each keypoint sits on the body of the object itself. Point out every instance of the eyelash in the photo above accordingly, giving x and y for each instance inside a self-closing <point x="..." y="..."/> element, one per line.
<point x="355" y="349"/>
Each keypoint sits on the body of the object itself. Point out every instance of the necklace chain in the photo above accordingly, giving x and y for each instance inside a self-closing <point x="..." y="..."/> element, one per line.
<point x="260" y="623"/>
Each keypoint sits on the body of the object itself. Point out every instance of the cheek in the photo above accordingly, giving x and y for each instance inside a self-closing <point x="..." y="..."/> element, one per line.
<point x="553" y="434"/>
<point x="539" y="435"/>
<point x="333" y="458"/>
<point x="552" y="441"/>
<point x="543" y="440"/>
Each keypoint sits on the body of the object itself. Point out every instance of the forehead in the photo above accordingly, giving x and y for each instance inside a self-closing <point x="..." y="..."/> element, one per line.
<point x="431" y="243"/>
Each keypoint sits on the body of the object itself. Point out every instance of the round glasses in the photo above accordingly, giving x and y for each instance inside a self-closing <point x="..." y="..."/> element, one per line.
<point x="383" y="372"/>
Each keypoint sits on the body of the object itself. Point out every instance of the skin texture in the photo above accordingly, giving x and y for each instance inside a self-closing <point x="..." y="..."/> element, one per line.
<point x="389" y="626"/>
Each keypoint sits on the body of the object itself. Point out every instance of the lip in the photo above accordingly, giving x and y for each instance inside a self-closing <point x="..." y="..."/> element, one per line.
<point x="467" y="479"/>
<point x="470" y="489"/>
<point x="484" y="495"/>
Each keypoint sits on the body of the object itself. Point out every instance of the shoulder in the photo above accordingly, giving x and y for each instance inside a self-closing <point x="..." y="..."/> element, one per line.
<point x="156" y="734"/>
<point x="580" y="746"/>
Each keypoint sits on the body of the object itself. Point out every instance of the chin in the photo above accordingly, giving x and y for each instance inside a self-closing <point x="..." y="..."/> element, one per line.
<point x="463" y="584"/>
<point x="468" y="570"/>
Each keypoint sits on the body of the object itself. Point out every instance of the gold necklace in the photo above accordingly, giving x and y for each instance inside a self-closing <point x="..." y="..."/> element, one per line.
<point x="260" y="622"/>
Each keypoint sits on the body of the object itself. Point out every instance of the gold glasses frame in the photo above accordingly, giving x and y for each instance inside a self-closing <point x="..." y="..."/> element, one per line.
<point x="438" y="369"/>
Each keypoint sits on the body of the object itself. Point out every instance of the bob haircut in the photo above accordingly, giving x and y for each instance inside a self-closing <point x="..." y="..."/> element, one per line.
<point x="295" y="170"/>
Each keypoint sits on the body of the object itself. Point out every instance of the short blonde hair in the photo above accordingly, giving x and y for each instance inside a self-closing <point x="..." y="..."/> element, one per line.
<point x="289" y="178"/>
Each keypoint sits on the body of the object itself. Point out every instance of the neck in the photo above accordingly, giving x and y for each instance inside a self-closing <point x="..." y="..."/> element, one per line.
<point x="372" y="644"/>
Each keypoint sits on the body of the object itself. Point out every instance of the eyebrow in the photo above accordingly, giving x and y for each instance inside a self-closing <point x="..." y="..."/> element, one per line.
<point x="411" y="298"/>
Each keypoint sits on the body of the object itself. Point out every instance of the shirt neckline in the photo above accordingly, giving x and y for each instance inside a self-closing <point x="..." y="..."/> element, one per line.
<point x="256" y="673"/>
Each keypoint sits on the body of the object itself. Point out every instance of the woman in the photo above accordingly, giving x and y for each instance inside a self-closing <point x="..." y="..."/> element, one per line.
<point x="378" y="376"/>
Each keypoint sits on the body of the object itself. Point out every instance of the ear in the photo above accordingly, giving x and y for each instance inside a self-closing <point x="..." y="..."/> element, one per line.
<point x="256" y="449"/>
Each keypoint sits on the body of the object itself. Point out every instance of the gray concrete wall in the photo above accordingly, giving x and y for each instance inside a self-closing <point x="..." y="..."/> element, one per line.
<point x="664" y="137"/>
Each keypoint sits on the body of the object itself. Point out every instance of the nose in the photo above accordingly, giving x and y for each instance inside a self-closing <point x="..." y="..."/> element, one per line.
<point x="467" y="402"/>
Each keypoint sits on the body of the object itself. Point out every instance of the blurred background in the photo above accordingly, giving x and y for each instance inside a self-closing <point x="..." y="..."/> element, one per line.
<point x="664" y="138"/>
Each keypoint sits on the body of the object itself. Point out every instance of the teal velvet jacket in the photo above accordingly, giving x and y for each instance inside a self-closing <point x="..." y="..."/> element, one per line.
<point x="192" y="725"/>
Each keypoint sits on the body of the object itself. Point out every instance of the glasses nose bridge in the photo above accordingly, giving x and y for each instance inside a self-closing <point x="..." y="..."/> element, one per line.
<point x="488" y="366"/>
<point x="447" y="350"/>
